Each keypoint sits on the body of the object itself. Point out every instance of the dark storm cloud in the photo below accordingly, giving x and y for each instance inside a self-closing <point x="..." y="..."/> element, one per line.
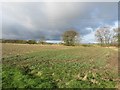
<point x="51" y="19"/>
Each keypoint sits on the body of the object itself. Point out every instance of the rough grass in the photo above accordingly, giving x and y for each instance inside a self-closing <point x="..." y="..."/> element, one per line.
<point x="54" y="66"/>
<point x="16" y="49"/>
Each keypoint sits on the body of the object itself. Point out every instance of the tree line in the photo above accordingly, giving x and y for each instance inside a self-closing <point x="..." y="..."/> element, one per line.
<point x="105" y="36"/>
<point x="19" y="41"/>
<point x="108" y="36"/>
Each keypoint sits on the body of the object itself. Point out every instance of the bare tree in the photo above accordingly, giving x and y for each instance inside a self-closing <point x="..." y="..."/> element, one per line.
<point x="104" y="35"/>
<point x="99" y="36"/>
<point x="116" y="37"/>
<point x="119" y="36"/>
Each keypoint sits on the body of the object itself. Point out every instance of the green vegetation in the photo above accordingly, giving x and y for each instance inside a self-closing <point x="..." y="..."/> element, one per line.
<point x="13" y="41"/>
<point x="69" y="37"/>
<point x="18" y="41"/>
<point x="31" y="42"/>
<point x="59" y="67"/>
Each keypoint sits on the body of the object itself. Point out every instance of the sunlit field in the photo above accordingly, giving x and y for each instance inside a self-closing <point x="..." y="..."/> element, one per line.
<point x="58" y="66"/>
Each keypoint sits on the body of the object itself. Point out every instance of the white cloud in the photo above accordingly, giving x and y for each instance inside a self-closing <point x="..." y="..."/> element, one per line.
<point x="89" y="38"/>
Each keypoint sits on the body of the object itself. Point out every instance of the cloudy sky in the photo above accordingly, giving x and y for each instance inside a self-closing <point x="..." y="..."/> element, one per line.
<point x="31" y="20"/>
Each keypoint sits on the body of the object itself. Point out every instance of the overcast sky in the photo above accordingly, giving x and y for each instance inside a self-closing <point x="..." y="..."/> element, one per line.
<point x="31" y="20"/>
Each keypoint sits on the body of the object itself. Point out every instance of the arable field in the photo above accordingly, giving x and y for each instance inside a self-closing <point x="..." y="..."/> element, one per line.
<point x="57" y="66"/>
